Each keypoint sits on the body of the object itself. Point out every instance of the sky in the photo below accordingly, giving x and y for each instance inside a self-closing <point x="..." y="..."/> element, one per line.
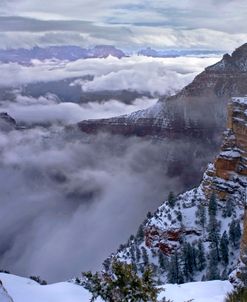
<point x="209" y="24"/>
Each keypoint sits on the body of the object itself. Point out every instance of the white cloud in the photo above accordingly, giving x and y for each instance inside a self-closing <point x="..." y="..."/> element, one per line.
<point x="141" y="74"/>
<point x="126" y="69"/>
<point x="45" y="111"/>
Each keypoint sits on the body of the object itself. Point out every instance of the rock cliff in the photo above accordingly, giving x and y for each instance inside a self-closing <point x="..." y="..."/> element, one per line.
<point x="187" y="218"/>
<point x="7" y="123"/>
<point x="228" y="174"/>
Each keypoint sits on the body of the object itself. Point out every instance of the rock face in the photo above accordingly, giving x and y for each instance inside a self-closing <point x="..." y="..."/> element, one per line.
<point x="183" y="113"/>
<point x="227" y="175"/>
<point x="171" y="226"/>
<point x="7" y="123"/>
<point x="243" y="246"/>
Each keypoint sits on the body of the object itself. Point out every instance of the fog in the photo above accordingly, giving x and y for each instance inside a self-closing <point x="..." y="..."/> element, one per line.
<point x="50" y="110"/>
<point x="67" y="199"/>
<point x="154" y="75"/>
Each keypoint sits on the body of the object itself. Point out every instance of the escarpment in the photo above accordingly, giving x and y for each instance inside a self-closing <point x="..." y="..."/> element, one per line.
<point x="228" y="174"/>
<point x="204" y="221"/>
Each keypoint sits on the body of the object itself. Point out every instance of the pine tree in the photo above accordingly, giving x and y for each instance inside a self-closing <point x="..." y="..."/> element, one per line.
<point x="140" y="234"/>
<point x="188" y="261"/>
<point x="228" y="208"/>
<point x="171" y="199"/>
<point x="132" y="253"/>
<point x="174" y="272"/>
<point x="213" y="272"/>
<point x="138" y="253"/>
<point x="162" y="261"/>
<point x="145" y="256"/>
<point x="224" y="250"/>
<point x="214" y="234"/>
<point x="201" y="259"/>
<point x="107" y="264"/>
<point x="201" y="215"/>
<point x="179" y="216"/>
<point x="212" y="206"/>
<point x="122" y="284"/>
<point x="234" y="232"/>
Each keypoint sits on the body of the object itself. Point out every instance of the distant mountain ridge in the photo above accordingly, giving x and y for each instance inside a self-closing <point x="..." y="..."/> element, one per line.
<point x="168" y="53"/>
<point x="70" y="53"/>
<point x="73" y="53"/>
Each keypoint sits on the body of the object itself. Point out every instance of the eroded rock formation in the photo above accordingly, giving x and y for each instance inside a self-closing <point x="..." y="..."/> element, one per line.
<point x="227" y="175"/>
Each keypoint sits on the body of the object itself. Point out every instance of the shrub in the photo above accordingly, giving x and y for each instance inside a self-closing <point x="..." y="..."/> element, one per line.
<point x="239" y="295"/>
<point x="121" y="284"/>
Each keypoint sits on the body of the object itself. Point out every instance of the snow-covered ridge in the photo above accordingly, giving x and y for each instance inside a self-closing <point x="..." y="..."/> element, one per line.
<point x="26" y="290"/>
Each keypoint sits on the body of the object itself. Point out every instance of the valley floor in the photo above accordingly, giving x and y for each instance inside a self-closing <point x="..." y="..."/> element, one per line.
<point x="26" y="290"/>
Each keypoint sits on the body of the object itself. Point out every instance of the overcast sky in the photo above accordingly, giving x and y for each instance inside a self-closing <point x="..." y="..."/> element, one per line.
<point x="129" y="24"/>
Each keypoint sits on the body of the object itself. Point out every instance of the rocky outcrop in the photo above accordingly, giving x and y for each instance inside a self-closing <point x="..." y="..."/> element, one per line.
<point x="243" y="246"/>
<point x="7" y="123"/>
<point x="227" y="175"/>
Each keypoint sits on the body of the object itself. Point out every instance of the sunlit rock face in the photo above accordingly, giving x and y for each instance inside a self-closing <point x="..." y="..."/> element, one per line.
<point x="228" y="174"/>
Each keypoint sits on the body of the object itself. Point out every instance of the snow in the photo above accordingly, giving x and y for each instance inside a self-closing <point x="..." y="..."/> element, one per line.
<point x="230" y="153"/>
<point x="4" y="297"/>
<point x="210" y="291"/>
<point x="240" y="100"/>
<point x="26" y="290"/>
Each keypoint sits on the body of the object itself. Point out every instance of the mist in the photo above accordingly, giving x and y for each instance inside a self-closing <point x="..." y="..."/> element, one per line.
<point x="67" y="199"/>
<point x="68" y="203"/>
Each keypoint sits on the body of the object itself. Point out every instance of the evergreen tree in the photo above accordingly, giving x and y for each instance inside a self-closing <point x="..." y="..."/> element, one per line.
<point x="179" y="216"/>
<point x="140" y="234"/>
<point x="162" y="260"/>
<point x="145" y="256"/>
<point x="171" y="199"/>
<point x="228" y="208"/>
<point x="138" y="253"/>
<point x="201" y="215"/>
<point x="214" y="234"/>
<point x="213" y="272"/>
<point x="174" y="272"/>
<point x="122" y="284"/>
<point x="132" y="253"/>
<point x="224" y="250"/>
<point x="212" y="206"/>
<point x="201" y="259"/>
<point x="234" y="232"/>
<point x="107" y="264"/>
<point x="188" y="261"/>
